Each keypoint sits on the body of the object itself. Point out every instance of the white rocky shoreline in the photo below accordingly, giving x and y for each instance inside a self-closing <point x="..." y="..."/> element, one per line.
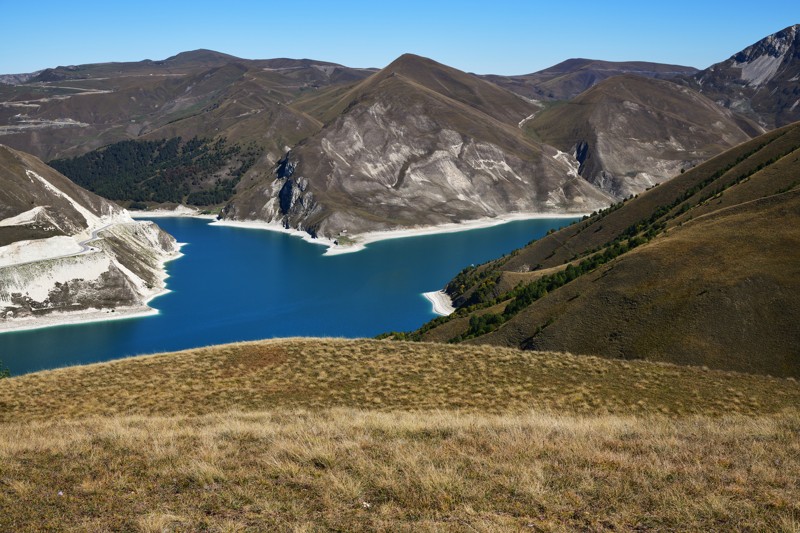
<point x="86" y="316"/>
<point x="440" y="301"/>
<point x="360" y="240"/>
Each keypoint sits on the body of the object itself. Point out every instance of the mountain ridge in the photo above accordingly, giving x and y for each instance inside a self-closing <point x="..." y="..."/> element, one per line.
<point x="760" y="81"/>
<point x="414" y="125"/>
<point x="568" y="79"/>
<point x="515" y="155"/>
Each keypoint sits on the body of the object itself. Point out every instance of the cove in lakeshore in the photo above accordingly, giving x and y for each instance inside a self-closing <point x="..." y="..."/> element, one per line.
<point x="235" y="284"/>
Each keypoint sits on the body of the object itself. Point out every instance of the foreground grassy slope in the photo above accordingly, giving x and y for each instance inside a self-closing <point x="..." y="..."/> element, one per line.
<point x="364" y="374"/>
<point x="308" y="434"/>
<point x="354" y="470"/>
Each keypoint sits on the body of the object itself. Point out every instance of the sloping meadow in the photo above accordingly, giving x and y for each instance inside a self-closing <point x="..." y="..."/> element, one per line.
<point x="308" y="434"/>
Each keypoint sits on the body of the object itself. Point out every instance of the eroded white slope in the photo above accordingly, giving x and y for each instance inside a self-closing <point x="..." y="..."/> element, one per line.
<point x="111" y="262"/>
<point x="91" y="218"/>
<point x="38" y="250"/>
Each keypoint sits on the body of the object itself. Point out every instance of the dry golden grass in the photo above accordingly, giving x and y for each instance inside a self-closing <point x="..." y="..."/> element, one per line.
<point x="349" y="470"/>
<point x="314" y="434"/>
<point x="367" y="374"/>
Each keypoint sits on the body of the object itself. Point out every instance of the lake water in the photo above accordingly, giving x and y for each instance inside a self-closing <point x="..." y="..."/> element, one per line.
<point x="243" y="284"/>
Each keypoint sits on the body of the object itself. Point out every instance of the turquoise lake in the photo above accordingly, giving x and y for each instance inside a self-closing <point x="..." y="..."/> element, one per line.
<point x="238" y="284"/>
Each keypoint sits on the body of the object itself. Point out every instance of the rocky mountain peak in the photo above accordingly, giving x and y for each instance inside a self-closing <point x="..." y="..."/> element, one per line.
<point x="759" y="82"/>
<point x="760" y="62"/>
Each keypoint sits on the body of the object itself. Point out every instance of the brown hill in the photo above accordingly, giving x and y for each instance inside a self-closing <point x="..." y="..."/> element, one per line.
<point x="361" y="435"/>
<point x="569" y="78"/>
<point x="416" y="143"/>
<point x="68" y="111"/>
<point x="629" y="132"/>
<point x="699" y="270"/>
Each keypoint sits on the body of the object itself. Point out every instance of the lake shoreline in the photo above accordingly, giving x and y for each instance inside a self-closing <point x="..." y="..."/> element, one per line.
<point x="246" y="285"/>
<point x="85" y="316"/>
<point x="361" y="240"/>
<point x="169" y="213"/>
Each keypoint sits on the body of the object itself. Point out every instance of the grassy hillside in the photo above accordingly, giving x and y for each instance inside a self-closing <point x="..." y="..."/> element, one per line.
<point x="364" y="374"/>
<point x="303" y="434"/>
<point x="699" y="270"/>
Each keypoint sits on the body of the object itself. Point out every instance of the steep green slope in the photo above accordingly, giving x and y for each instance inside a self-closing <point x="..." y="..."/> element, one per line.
<point x="700" y="270"/>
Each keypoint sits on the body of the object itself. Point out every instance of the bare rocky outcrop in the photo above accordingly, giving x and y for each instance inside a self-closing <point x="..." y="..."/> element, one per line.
<point x="417" y="144"/>
<point x="65" y="250"/>
<point x="759" y="82"/>
<point x="629" y="133"/>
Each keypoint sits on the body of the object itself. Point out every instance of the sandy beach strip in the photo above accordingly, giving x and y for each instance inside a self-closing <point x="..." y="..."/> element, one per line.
<point x="75" y="317"/>
<point x="441" y="302"/>
<point x="276" y="227"/>
<point x="363" y="239"/>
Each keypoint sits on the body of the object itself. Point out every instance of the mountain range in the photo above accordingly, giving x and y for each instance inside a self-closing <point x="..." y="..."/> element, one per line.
<point x="306" y="144"/>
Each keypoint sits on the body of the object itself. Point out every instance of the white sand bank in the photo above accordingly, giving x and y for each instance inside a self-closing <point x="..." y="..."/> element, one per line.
<point x="362" y="239"/>
<point x="74" y="317"/>
<point x="273" y="226"/>
<point x="180" y="211"/>
<point x="441" y="302"/>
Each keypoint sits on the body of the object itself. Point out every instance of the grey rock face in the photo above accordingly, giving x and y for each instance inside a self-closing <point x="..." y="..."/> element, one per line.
<point x="628" y="133"/>
<point x="407" y="151"/>
<point x="761" y="81"/>
<point x="65" y="249"/>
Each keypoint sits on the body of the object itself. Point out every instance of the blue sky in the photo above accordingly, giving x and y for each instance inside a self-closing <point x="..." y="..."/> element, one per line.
<point x="502" y="37"/>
